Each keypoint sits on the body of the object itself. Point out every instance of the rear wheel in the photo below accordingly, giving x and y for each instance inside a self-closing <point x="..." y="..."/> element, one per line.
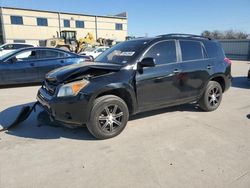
<point x="212" y="97"/>
<point x="109" y="117"/>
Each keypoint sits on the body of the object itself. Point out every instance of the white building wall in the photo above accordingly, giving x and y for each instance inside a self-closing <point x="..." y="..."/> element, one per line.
<point x="32" y="33"/>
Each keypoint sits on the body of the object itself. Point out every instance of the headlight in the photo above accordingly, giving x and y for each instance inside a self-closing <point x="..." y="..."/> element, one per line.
<point x="72" y="89"/>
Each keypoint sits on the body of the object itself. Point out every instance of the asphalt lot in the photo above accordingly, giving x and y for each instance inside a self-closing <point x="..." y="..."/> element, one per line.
<point x="173" y="147"/>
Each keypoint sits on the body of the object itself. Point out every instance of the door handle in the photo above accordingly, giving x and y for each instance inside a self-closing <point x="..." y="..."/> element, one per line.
<point x="62" y="61"/>
<point x="209" y="66"/>
<point x="32" y="64"/>
<point x="176" y="71"/>
<point x="161" y="78"/>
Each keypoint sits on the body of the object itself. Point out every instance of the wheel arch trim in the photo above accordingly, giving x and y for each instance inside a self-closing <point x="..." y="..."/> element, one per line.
<point x="219" y="76"/>
<point x="124" y="91"/>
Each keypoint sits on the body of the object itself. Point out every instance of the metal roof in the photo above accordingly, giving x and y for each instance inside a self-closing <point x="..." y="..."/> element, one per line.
<point x="119" y="16"/>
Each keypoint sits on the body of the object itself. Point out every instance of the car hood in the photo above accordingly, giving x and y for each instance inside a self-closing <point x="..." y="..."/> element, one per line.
<point x="81" y="70"/>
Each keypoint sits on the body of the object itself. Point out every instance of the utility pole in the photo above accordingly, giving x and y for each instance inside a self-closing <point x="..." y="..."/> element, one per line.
<point x="59" y="21"/>
<point x="248" y="50"/>
<point x="96" y="29"/>
<point x="2" y="26"/>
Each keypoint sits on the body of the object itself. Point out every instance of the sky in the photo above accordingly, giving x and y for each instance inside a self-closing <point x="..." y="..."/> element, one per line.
<point x="154" y="17"/>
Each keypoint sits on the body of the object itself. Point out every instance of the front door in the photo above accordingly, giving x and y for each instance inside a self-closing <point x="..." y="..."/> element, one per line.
<point x="159" y="85"/>
<point x="19" y="69"/>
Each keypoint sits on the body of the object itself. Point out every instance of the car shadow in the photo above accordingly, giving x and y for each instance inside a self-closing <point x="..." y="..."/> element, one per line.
<point x="19" y="85"/>
<point x="38" y="126"/>
<point x="180" y="108"/>
<point x="241" y="82"/>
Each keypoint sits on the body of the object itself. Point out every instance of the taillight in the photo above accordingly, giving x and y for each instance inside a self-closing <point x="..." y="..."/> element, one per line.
<point x="228" y="61"/>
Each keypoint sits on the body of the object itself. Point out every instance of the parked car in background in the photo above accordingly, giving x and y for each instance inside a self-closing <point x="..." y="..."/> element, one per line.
<point x="94" y="52"/>
<point x="10" y="47"/>
<point x="29" y="65"/>
<point x="136" y="76"/>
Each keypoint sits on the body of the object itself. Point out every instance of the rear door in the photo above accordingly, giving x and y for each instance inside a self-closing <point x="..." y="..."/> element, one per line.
<point x="48" y="60"/>
<point x="194" y="66"/>
<point x="159" y="85"/>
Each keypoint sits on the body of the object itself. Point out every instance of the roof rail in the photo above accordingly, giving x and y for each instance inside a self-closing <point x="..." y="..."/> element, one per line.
<point x="184" y="35"/>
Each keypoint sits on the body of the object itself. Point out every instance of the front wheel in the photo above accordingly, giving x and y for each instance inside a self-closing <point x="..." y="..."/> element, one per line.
<point x="212" y="97"/>
<point x="108" y="118"/>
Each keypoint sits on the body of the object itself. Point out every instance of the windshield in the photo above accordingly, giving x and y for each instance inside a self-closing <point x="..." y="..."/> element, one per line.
<point x="122" y="53"/>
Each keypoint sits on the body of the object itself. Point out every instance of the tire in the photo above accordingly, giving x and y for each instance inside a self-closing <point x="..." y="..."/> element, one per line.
<point x="212" y="97"/>
<point x="103" y="124"/>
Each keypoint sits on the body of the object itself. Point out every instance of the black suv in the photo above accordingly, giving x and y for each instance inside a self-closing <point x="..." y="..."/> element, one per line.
<point x="135" y="76"/>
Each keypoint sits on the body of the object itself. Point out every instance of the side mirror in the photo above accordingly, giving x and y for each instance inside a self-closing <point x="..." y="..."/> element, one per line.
<point x="1" y="49"/>
<point x="12" y="60"/>
<point x="147" y="62"/>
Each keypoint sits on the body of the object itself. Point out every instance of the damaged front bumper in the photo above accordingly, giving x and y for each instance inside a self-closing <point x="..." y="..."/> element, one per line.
<point x="66" y="110"/>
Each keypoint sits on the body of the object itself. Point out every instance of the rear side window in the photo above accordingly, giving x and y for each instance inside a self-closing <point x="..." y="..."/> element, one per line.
<point x="44" y="54"/>
<point x="163" y="52"/>
<point x="214" y="50"/>
<point x="191" y="50"/>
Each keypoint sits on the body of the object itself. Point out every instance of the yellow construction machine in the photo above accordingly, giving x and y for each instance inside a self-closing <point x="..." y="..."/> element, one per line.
<point x="68" y="41"/>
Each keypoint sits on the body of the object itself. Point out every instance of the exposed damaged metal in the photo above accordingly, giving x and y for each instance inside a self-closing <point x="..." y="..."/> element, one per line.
<point x="80" y="71"/>
<point x="22" y="116"/>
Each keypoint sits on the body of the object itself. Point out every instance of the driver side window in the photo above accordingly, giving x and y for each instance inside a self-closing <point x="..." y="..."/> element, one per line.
<point x="24" y="56"/>
<point x="163" y="52"/>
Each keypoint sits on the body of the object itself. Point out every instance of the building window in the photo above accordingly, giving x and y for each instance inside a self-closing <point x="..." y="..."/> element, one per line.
<point x="42" y="42"/>
<point x="19" y="41"/>
<point x="118" y="26"/>
<point x="17" y="20"/>
<point x="79" y="24"/>
<point x="66" y="23"/>
<point x="42" y="21"/>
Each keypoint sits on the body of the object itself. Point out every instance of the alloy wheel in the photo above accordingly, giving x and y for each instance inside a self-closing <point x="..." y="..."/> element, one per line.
<point x="110" y="118"/>
<point x="214" y="96"/>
